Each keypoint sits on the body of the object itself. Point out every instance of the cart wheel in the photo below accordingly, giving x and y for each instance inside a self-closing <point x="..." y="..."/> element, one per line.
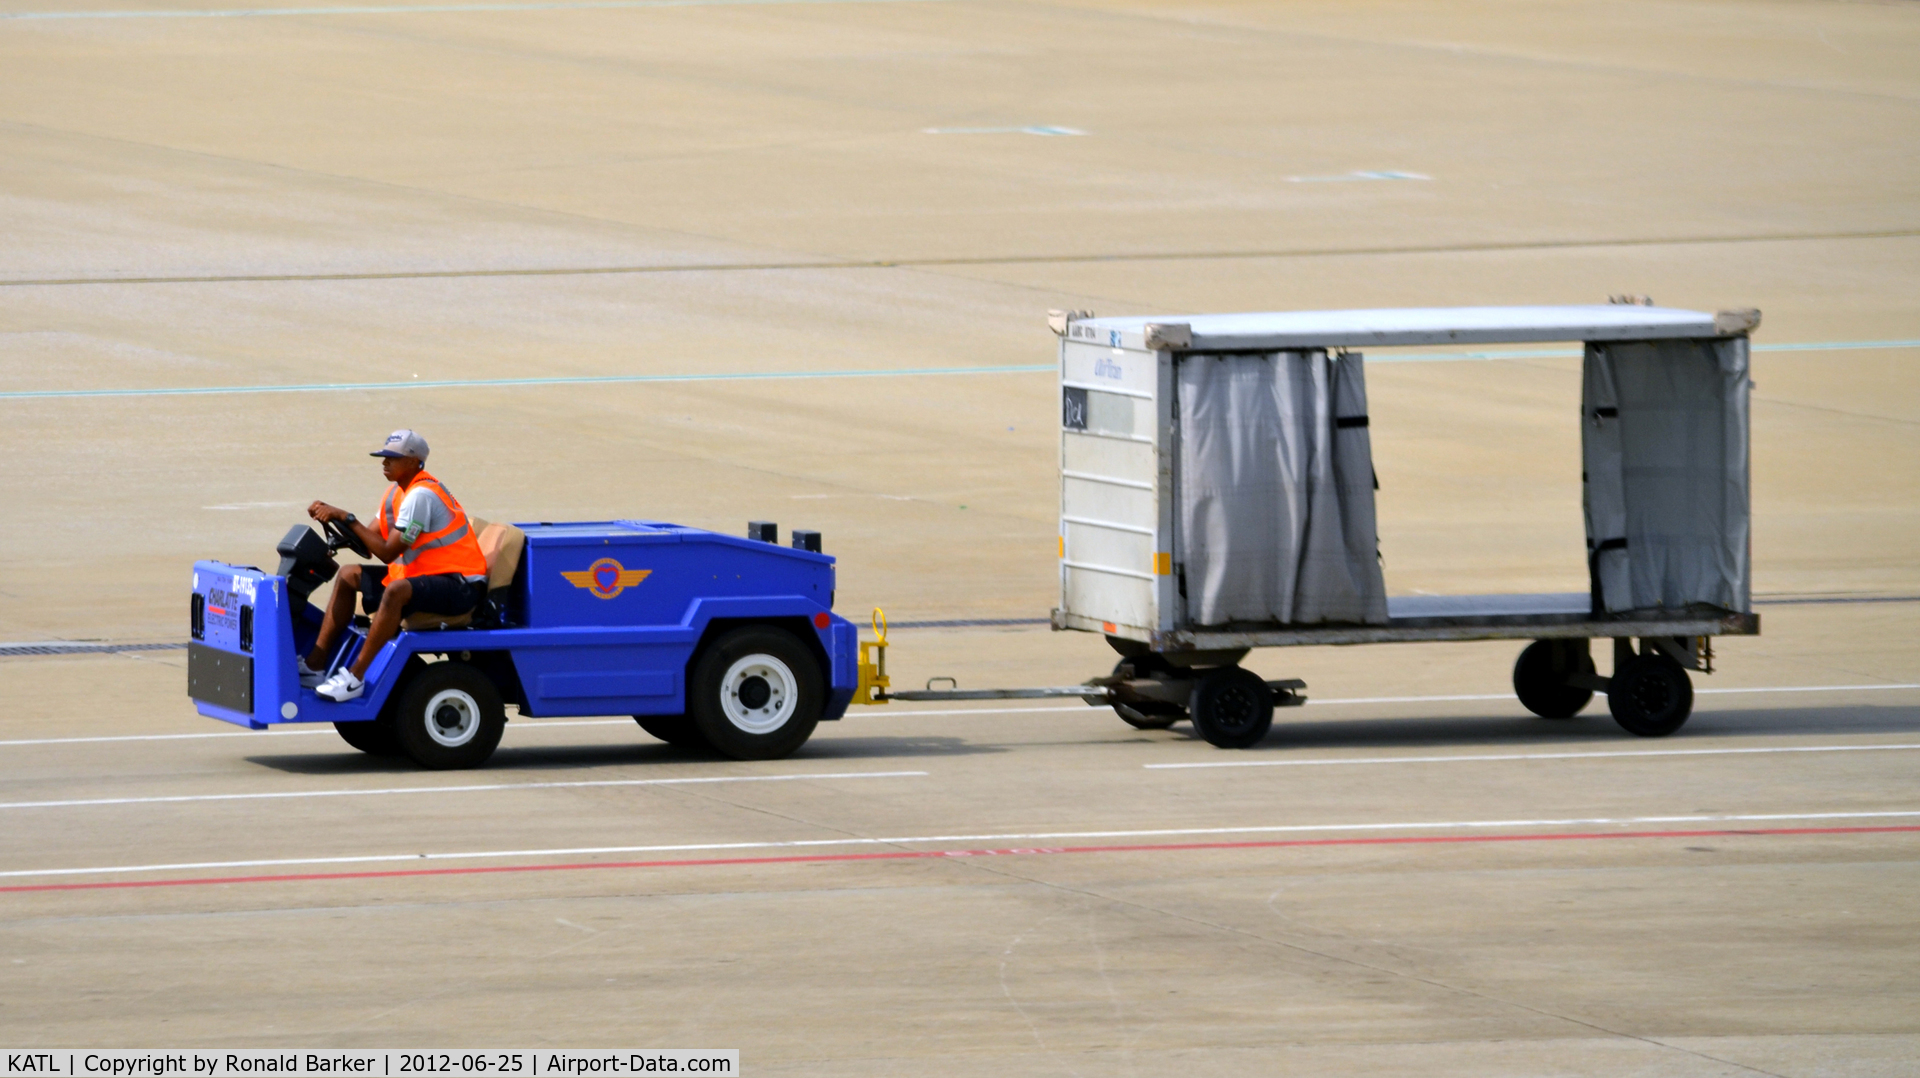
<point x="1650" y="695"/>
<point x="756" y="694"/>
<point x="450" y="717"/>
<point x="1148" y="714"/>
<point x="374" y="737"/>
<point x="1143" y="720"/>
<point x="1232" y="707"/>
<point x="1540" y="677"/>
<point x="677" y="730"/>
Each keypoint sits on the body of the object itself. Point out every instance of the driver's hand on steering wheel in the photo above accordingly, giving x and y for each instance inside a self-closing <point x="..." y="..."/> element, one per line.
<point x="323" y="512"/>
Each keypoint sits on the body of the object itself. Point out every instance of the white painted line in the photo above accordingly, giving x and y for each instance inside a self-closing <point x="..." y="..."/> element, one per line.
<point x="1030" y="129"/>
<point x="1526" y="756"/>
<point x="517" y="726"/>
<point x="1808" y="688"/>
<point x="286" y="794"/>
<point x="906" y="840"/>
<point x="524" y="725"/>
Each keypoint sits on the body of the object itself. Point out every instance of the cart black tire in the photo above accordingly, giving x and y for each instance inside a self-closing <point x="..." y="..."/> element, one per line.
<point x="450" y="717"/>
<point x="373" y="737"/>
<point x="756" y="693"/>
<point x="1540" y="677"/>
<point x="1650" y="695"/>
<point x="1145" y="720"/>
<point x="1148" y="714"/>
<point x="1232" y="707"/>
<point x="677" y="730"/>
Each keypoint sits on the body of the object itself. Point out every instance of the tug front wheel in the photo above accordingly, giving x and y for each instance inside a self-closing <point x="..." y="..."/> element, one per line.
<point x="450" y="717"/>
<point x="374" y="737"/>
<point x="756" y="693"/>
<point x="1232" y="707"/>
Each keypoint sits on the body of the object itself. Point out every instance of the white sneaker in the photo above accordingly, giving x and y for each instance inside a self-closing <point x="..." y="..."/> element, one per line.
<point x="309" y="677"/>
<point x="342" y="687"/>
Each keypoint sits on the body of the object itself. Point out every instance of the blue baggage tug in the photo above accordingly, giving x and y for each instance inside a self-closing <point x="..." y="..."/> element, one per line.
<point x="703" y="638"/>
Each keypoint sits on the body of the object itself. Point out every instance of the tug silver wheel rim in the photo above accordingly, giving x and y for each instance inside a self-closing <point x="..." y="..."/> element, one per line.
<point x="453" y="718"/>
<point x="759" y="694"/>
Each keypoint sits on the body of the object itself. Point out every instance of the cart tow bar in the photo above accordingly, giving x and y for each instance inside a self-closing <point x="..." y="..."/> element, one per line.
<point x="875" y="687"/>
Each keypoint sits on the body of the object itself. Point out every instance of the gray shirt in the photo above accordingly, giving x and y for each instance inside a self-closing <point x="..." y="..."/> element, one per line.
<point x="420" y="513"/>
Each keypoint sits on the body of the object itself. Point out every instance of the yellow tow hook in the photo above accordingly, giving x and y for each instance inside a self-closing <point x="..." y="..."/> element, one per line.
<point x="874" y="682"/>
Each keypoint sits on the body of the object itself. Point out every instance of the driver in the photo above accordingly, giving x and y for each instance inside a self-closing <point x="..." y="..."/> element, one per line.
<point x="434" y="564"/>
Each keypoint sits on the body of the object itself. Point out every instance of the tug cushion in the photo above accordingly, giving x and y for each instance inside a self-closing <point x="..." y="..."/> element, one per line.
<point x="502" y="544"/>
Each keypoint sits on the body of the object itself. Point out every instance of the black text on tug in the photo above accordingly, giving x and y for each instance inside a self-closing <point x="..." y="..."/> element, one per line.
<point x="1231" y="706"/>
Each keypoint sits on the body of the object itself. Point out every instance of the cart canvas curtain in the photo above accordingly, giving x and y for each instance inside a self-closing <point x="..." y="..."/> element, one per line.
<point x="1276" y="514"/>
<point x="1664" y="442"/>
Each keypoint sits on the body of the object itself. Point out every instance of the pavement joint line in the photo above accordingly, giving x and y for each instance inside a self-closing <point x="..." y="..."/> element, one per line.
<point x="473" y="788"/>
<point x="752" y="376"/>
<point x="1623" y="822"/>
<point x="1481" y="757"/>
<point x="976" y="260"/>
<point x="510" y="383"/>
<point x="427" y="9"/>
<point x="538" y="724"/>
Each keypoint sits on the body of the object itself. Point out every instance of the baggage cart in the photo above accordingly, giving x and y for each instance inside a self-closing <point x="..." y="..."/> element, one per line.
<point x="1216" y="495"/>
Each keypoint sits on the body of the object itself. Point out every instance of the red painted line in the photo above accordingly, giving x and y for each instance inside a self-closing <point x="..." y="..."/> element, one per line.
<point x="1018" y="851"/>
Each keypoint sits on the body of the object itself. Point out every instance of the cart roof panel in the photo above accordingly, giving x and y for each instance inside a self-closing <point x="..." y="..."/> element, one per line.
<point x="1416" y="326"/>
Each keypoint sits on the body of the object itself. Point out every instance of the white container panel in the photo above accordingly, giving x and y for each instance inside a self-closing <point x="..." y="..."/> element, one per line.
<point x="1112" y="369"/>
<point x="1091" y="500"/>
<point x="1115" y="458"/>
<point x="1095" y="545"/>
<point x="1122" y="600"/>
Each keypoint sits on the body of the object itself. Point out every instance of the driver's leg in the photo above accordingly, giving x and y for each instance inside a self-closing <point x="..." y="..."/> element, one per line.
<point x="346" y="586"/>
<point x="386" y="624"/>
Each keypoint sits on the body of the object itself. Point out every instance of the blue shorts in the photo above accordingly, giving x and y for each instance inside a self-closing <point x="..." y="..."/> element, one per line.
<point x="442" y="593"/>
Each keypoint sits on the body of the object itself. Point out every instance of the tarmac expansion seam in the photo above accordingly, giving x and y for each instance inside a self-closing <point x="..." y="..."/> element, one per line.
<point x="982" y="260"/>
<point x="907" y="840"/>
<point x="760" y="376"/>
<point x="472" y="788"/>
<point x="425" y="9"/>
<point x="904" y="855"/>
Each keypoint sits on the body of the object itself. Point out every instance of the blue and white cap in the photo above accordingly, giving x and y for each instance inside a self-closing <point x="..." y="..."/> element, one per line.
<point x="403" y="443"/>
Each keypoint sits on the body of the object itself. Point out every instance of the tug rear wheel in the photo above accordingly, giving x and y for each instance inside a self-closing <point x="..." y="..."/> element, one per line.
<point x="1232" y="707"/>
<point x="756" y="693"/>
<point x="1540" y="677"/>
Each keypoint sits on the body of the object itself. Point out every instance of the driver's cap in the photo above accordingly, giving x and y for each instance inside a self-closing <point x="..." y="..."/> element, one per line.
<point x="403" y="443"/>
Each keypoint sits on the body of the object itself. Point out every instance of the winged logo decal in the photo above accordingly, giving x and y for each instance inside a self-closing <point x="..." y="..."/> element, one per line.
<point x="605" y="578"/>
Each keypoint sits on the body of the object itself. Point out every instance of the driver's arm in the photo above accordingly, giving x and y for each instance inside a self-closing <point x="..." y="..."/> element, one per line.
<point x="385" y="549"/>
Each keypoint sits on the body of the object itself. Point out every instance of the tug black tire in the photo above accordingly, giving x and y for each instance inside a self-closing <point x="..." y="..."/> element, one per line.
<point x="1650" y="695"/>
<point x="450" y="717"/>
<point x="374" y="737"/>
<point x="756" y="693"/>
<point x="1232" y="707"/>
<point x="1540" y="677"/>
<point x="677" y="730"/>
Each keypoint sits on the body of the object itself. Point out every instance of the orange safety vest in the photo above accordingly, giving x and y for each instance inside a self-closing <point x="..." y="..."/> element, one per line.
<point x="452" y="549"/>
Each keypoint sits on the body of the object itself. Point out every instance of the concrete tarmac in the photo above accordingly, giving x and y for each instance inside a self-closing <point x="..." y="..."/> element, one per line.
<point x="711" y="262"/>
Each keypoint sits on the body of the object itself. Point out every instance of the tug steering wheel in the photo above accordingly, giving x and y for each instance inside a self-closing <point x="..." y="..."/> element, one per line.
<point x="340" y="535"/>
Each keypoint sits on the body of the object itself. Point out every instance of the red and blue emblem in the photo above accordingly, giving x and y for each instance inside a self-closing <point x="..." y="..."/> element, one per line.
<point x="605" y="578"/>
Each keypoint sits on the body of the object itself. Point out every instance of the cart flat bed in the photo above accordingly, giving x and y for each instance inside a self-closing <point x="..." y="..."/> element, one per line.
<point x="1421" y="618"/>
